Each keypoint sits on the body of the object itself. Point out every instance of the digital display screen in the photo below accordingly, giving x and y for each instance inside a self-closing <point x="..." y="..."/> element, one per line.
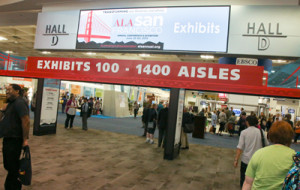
<point x="199" y="29"/>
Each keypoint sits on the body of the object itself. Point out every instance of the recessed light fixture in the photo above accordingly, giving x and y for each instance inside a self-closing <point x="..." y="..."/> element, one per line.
<point x="279" y="61"/>
<point x="46" y="52"/>
<point x="207" y="56"/>
<point x="2" y="38"/>
<point x="144" y="55"/>
<point x="90" y="53"/>
<point x="9" y="52"/>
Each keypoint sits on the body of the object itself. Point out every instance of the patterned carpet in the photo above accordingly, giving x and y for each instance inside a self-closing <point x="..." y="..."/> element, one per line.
<point x="101" y="160"/>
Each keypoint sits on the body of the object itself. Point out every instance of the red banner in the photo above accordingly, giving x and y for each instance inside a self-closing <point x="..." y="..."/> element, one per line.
<point x="153" y="73"/>
<point x="196" y="76"/>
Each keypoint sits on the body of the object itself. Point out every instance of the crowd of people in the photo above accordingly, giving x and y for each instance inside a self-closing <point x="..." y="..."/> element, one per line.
<point x="88" y="107"/>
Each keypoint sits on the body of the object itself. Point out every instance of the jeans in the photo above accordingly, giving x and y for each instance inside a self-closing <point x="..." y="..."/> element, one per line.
<point x="11" y="149"/>
<point x="243" y="171"/>
<point x="71" y="119"/>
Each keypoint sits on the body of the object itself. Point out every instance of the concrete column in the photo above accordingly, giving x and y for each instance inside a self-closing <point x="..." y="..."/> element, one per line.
<point x="172" y="146"/>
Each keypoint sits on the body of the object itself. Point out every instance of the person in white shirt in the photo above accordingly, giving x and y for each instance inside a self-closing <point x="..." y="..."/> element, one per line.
<point x="250" y="141"/>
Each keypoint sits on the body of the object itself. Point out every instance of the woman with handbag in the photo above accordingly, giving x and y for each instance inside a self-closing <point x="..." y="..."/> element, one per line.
<point x="297" y="131"/>
<point x="71" y="112"/>
<point x="231" y="124"/>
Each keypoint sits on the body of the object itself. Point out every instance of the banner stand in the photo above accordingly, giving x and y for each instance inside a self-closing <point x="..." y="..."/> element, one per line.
<point x="38" y="128"/>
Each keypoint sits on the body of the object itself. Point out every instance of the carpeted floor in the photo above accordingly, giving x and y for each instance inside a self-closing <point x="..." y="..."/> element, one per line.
<point x="100" y="160"/>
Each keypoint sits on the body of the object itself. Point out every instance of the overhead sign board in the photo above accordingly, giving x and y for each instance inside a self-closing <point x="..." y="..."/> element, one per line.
<point x="57" y="30"/>
<point x="156" y="29"/>
<point x="264" y="30"/>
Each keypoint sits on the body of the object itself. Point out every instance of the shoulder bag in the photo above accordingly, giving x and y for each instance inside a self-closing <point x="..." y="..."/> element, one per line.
<point x="25" y="171"/>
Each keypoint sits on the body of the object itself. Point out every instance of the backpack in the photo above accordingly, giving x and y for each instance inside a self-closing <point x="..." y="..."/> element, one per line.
<point x="291" y="181"/>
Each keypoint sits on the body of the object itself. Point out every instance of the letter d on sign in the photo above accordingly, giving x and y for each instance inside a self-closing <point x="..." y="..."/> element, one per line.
<point x="54" y="40"/>
<point x="263" y="43"/>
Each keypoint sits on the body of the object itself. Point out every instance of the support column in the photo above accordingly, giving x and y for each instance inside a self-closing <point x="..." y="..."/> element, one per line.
<point x="173" y="134"/>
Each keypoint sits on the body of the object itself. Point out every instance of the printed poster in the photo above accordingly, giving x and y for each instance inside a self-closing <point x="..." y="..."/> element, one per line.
<point x="50" y="101"/>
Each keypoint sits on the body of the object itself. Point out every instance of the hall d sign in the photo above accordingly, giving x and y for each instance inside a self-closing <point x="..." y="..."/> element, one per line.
<point x="264" y="30"/>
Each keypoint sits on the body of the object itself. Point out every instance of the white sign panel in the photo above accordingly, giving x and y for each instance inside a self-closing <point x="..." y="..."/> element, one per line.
<point x="50" y="101"/>
<point x="265" y="30"/>
<point x="57" y="30"/>
<point x="179" y="116"/>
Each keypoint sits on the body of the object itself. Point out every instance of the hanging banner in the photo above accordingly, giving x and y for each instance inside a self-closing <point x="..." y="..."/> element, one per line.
<point x="49" y="102"/>
<point x="196" y="76"/>
<point x="98" y="92"/>
<point x="75" y="89"/>
<point x="87" y="91"/>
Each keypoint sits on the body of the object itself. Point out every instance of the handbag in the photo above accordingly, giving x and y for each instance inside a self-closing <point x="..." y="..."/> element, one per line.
<point x="188" y="127"/>
<point x="25" y="171"/>
<point x="297" y="130"/>
<point x="150" y="125"/>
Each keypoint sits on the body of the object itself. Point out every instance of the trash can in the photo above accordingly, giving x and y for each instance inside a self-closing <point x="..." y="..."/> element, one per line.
<point x="199" y="127"/>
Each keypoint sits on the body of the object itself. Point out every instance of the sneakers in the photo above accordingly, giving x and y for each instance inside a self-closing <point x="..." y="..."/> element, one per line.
<point x="147" y="141"/>
<point x="151" y="142"/>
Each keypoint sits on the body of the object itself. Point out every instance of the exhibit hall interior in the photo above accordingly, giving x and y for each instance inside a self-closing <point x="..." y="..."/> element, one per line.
<point x="149" y="94"/>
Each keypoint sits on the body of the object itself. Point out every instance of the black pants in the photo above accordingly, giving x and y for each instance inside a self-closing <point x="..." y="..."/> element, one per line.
<point x="145" y="129"/>
<point x="161" y="136"/>
<point x="296" y="137"/>
<point x="135" y="112"/>
<point x="243" y="171"/>
<point x="71" y="119"/>
<point x="11" y="149"/>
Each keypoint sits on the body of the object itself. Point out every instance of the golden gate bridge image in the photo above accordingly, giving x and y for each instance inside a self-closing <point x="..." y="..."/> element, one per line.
<point x="94" y="33"/>
<point x="93" y="27"/>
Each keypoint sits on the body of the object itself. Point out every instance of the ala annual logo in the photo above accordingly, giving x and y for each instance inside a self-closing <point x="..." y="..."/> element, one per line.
<point x="264" y="32"/>
<point x="55" y="31"/>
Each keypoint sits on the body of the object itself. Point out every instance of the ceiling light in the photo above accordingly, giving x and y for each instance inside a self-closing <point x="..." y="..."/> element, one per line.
<point x="2" y="38"/>
<point x="144" y="55"/>
<point x="272" y="71"/>
<point x="46" y="52"/>
<point x="90" y="53"/>
<point x="207" y="56"/>
<point x="279" y="61"/>
<point x="9" y="52"/>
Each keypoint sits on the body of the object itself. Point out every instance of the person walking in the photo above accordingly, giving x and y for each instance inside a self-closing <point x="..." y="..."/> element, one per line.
<point x="269" y="166"/>
<point x="145" y="118"/>
<point x="223" y="120"/>
<point x="250" y="141"/>
<point x="242" y="122"/>
<point x="187" y="118"/>
<point x="162" y="125"/>
<point x="152" y="121"/>
<point x="63" y="105"/>
<point x="231" y="124"/>
<point x="136" y="108"/>
<point x="85" y="113"/>
<point x="71" y="112"/>
<point x="214" y="120"/>
<point x="15" y="125"/>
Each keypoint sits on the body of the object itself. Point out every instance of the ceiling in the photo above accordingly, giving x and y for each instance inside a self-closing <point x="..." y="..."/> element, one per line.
<point x="18" y="25"/>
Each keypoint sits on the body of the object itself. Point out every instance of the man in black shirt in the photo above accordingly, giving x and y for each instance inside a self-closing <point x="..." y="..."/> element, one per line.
<point x="162" y="125"/>
<point x="15" y="127"/>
